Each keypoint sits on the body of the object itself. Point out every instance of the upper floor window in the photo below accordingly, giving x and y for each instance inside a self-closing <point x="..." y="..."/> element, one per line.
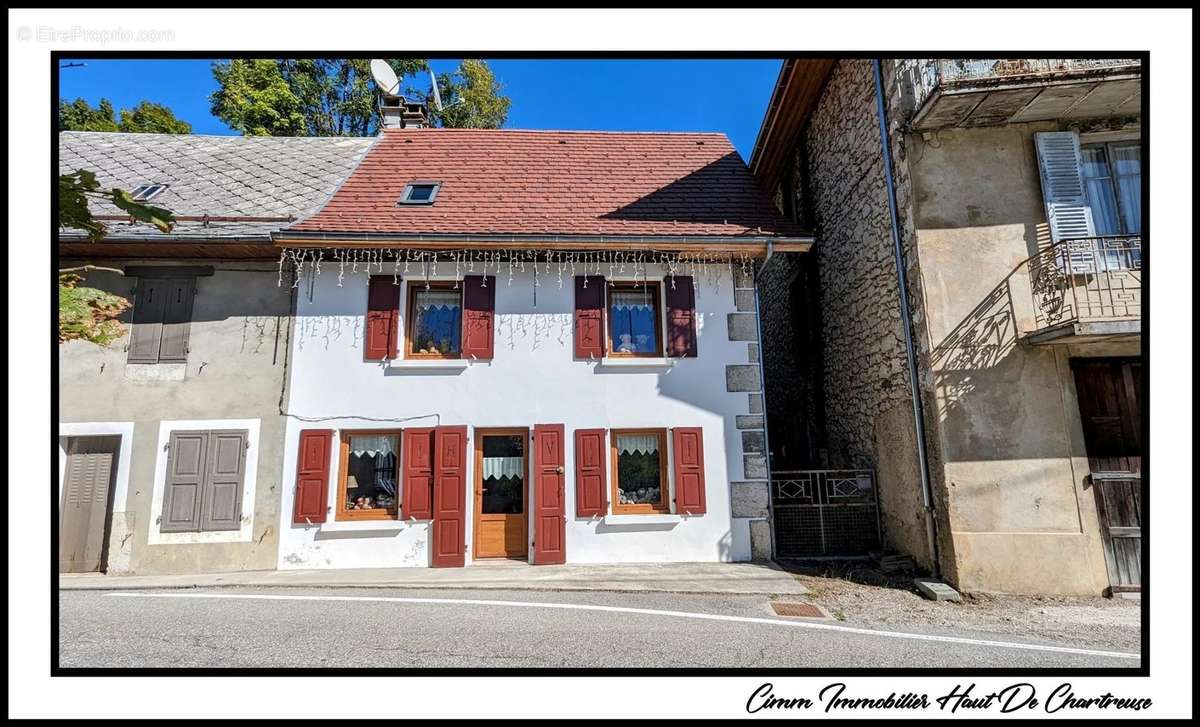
<point x="420" y="193"/>
<point x="435" y="321"/>
<point x="634" y="319"/>
<point x="1112" y="178"/>
<point x="162" y="315"/>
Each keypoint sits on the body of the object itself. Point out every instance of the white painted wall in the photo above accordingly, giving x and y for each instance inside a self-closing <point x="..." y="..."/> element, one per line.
<point x="533" y="379"/>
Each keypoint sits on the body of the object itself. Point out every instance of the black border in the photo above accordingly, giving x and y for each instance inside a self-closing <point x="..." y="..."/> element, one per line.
<point x="56" y="56"/>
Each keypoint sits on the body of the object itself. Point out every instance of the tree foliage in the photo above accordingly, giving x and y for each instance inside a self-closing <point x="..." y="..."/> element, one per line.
<point x="145" y="118"/>
<point x="84" y="313"/>
<point x="471" y="98"/>
<point x="337" y="96"/>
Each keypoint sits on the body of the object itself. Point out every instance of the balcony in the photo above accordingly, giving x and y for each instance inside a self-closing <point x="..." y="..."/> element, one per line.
<point x="943" y="93"/>
<point x="1086" y="289"/>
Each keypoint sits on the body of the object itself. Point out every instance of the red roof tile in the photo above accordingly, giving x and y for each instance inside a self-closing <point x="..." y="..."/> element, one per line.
<point x="553" y="183"/>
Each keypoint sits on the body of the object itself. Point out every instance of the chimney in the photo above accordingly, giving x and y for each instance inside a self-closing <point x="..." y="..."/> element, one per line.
<point x="398" y="112"/>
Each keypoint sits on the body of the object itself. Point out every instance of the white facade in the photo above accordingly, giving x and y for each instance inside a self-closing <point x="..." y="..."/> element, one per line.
<point x="533" y="378"/>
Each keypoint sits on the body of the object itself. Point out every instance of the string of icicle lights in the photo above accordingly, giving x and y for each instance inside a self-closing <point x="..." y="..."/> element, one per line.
<point x="549" y="264"/>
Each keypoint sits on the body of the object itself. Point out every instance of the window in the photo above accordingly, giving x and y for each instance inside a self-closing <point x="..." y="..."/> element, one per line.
<point x="435" y="321"/>
<point x="1112" y="178"/>
<point x="162" y="314"/>
<point x="369" y="475"/>
<point x="420" y="193"/>
<point x="639" y="471"/>
<point x="147" y="192"/>
<point x="206" y="471"/>
<point x="634" y="320"/>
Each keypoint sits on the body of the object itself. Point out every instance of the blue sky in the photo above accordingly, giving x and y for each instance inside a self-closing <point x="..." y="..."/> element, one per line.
<point x="617" y="95"/>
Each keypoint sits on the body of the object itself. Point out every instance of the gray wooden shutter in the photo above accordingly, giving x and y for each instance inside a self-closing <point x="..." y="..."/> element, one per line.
<point x="186" y="459"/>
<point x="177" y="320"/>
<point x="1067" y="207"/>
<point x="221" y="499"/>
<point x="148" y="308"/>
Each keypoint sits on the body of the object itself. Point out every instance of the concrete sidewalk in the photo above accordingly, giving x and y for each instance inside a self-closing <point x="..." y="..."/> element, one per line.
<point x="712" y="578"/>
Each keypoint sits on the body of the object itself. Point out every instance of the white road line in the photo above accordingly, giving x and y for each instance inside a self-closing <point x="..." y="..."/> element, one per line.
<point x="646" y="612"/>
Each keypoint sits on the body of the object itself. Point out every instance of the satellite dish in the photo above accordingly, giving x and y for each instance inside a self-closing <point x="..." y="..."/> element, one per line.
<point x="437" y="97"/>
<point x="385" y="77"/>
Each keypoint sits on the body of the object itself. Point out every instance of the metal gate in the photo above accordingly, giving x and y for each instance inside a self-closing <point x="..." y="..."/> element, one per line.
<point x="821" y="513"/>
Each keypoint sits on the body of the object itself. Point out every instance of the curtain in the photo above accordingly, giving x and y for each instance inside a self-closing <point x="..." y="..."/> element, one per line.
<point x="1097" y="181"/>
<point x="372" y="445"/>
<point x="637" y="443"/>
<point x="1127" y="161"/>
<point x="501" y="467"/>
<point x="631" y="300"/>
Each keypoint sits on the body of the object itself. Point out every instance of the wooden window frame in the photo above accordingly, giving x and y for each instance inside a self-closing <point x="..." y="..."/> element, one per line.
<point x="415" y="287"/>
<point x="664" y="504"/>
<point x="339" y="511"/>
<point x="655" y="287"/>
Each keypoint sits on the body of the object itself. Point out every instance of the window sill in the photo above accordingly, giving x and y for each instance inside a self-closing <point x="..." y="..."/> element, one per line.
<point x="647" y="519"/>
<point x="635" y="362"/>
<point x="346" y="526"/>
<point x="429" y="363"/>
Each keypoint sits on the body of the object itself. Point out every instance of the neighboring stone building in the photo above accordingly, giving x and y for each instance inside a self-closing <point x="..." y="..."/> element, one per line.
<point x="171" y="438"/>
<point x="1018" y="200"/>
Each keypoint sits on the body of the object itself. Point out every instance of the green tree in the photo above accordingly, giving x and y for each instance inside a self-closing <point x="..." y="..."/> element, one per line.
<point x="338" y="96"/>
<point x="471" y="98"/>
<point x="145" y="118"/>
<point x="84" y="313"/>
<point x="255" y="99"/>
<point x="152" y="118"/>
<point x="79" y="115"/>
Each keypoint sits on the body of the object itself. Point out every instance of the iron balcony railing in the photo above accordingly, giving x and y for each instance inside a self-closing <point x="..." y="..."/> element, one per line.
<point x="1089" y="279"/>
<point x="925" y="75"/>
<point x="825" y="512"/>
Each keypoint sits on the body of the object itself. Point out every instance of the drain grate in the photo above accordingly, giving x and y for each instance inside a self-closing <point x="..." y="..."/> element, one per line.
<point x="799" y="610"/>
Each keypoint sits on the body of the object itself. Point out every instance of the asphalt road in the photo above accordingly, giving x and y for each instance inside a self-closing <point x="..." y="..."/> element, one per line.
<point x="288" y="627"/>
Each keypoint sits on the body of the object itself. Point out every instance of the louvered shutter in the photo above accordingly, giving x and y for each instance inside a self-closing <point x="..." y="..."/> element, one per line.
<point x="589" y="317"/>
<point x="383" y="314"/>
<point x="590" y="487"/>
<point x="681" y="317"/>
<point x="417" y="471"/>
<point x="312" y="476"/>
<point x="225" y="473"/>
<point x="1068" y="211"/>
<point x="186" y="460"/>
<point x="479" y="306"/>
<point x="688" y="452"/>
<point x="177" y="320"/>
<point x="148" y="307"/>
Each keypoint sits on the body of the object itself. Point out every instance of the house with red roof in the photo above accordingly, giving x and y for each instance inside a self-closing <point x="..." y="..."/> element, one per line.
<point x="530" y="345"/>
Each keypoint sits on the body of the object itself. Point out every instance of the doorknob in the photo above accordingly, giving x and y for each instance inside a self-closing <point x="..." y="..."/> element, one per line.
<point x="559" y="469"/>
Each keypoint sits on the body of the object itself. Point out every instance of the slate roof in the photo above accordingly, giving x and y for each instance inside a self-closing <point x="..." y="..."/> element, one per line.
<point x="551" y="183"/>
<point x="218" y="176"/>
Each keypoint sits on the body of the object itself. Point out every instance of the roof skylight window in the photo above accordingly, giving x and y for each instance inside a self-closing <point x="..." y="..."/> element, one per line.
<point x="147" y="192"/>
<point x="420" y="193"/>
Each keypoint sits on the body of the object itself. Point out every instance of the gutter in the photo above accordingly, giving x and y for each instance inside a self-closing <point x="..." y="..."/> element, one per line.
<point x="906" y="320"/>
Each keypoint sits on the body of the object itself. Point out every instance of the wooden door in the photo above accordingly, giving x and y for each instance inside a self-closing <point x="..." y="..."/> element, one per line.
<point x="84" y="512"/>
<point x="549" y="495"/>
<point x="501" y="493"/>
<point x="1110" y="393"/>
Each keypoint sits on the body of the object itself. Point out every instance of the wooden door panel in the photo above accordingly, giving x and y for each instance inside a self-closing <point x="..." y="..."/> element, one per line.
<point x="83" y="517"/>
<point x="449" y="497"/>
<point x="549" y="497"/>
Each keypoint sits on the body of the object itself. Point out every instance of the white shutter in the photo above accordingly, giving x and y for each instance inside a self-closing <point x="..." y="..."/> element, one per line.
<point x="1067" y="208"/>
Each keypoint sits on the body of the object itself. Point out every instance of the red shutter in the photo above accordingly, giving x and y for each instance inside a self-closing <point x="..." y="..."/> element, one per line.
<point x="589" y="317"/>
<point x="449" y="532"/>
<point x="479" y="309"/>
<point x="416" y="501"/>
<point x="549" y="495"/>
<point x="688" y="451"/>
<point x="590" y="487"/>
<point x="383" y="316"/>
<point x="681" y="317"/>
<point x="312" y="476"/>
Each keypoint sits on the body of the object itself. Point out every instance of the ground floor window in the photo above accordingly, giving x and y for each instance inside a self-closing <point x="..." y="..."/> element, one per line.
<point x="639" y="470"/>
<point x="369" y="475"/>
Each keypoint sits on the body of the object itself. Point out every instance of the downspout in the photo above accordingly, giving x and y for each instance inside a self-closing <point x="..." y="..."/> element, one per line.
<point x="906" y="320"/>
<point x="762" y="382"/>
